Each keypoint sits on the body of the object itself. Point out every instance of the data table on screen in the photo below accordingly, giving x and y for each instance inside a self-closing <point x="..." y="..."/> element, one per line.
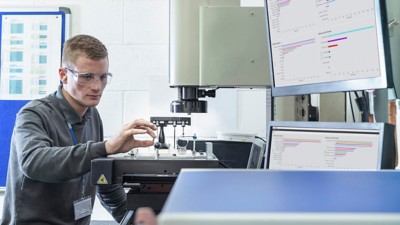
<point x="323" y="149"/>
<point x="317" y="42"/>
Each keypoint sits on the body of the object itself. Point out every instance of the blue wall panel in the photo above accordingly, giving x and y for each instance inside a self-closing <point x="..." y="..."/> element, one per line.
<point x="8" y="111"/>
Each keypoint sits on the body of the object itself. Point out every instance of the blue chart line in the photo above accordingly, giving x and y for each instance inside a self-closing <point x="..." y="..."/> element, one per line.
<point x="350" y="31"/>
<point x="325" y="3"/>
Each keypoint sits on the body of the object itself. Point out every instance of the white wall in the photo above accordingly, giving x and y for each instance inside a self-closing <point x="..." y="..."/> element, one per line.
<point x="136" y="35"/>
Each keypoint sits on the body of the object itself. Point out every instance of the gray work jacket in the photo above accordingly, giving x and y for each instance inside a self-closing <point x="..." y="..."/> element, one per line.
<point x="46" y="169"/>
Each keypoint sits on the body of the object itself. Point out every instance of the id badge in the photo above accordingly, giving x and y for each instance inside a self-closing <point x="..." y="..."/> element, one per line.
<point x="83" y="207"/>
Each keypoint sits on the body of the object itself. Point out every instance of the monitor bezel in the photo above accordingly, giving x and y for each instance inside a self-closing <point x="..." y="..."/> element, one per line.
<point x="256" y="156"/>
<point x="344" y="85"/>
<point x="386" y="132"/>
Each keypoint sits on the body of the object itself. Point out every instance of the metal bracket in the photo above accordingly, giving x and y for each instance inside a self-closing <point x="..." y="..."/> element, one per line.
<point x="393" y="23"/>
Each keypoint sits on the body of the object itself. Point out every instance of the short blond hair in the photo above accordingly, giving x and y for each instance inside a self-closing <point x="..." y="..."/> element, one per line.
<point x="83" y="45"/>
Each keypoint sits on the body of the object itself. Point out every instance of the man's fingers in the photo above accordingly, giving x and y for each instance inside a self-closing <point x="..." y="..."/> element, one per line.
<point x="143" y="123"/>
<point x="149" y="131"/>
<point x="134" y="131"/>
<point x="143" y="143"/>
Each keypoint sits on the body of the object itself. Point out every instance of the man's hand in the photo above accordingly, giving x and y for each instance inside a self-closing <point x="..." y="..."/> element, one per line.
<point x="145" y="216"/>
<point x="125" y="140"/>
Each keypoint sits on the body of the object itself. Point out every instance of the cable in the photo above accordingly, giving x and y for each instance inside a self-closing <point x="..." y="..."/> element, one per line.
<point x="260" y="138"/>
<point x="395" y="92"/>
<point x="223" y="164"/>
<point x="362" y="106"/>
<point x="351" y="106"/>
<point x="366" y="99"/>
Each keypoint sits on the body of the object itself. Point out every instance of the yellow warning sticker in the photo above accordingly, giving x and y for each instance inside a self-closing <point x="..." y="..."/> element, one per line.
<point x="102" y="180"/>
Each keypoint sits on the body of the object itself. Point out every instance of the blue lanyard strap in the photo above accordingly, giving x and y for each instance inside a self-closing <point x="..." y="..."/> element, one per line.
<point x="71" y="131"/>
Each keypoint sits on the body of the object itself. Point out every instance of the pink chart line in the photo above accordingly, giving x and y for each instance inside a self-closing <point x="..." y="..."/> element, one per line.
<point x="288" y="47"/>
<point x="283" y="3"/>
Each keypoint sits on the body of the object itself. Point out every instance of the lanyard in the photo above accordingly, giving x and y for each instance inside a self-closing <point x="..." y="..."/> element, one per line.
<point x="71" y="131"/>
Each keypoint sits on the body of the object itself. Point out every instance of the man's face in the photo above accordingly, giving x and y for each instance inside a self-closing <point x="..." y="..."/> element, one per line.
<point x="87" y="94"/>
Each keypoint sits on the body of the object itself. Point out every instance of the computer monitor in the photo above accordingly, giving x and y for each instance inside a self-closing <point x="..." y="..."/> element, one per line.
<point x="320" y="46"/>
<point x="256" y="153"/>
<point x="329" y="146"/>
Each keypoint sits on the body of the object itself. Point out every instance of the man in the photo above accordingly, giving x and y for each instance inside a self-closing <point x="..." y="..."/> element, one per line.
<point x="56" y="137"/>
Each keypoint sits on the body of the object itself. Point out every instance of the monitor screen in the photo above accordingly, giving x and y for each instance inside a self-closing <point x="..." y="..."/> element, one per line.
<point x="319" y="46"/>
<point x="330" y="146"/>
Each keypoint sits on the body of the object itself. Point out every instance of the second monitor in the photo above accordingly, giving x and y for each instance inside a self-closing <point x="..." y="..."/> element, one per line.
<point x="330" y="146"/>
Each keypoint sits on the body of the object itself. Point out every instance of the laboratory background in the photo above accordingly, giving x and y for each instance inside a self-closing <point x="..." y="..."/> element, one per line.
<point x="136" y="33"/>
<point x="137" y="36"/>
